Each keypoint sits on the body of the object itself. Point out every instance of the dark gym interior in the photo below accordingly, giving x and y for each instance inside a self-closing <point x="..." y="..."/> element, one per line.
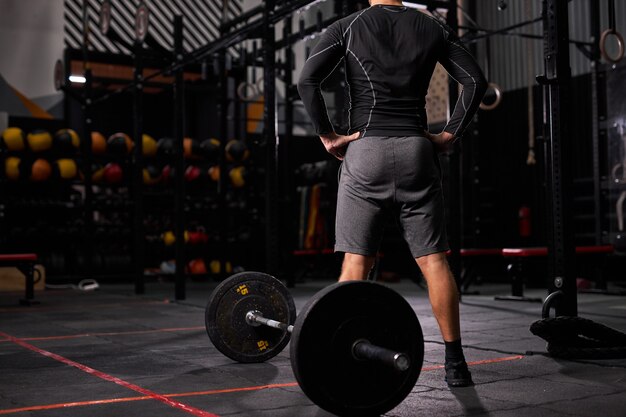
<point x="159" y="174"/>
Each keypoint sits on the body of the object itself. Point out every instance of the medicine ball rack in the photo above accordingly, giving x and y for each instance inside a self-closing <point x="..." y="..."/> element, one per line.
<point x="146" y="200"/>
<point x="215" y="51"/>
<point x="132" y="188"/>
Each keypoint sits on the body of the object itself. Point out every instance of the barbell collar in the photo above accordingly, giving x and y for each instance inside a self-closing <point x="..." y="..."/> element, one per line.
<point x="364" y="350"/>
<point x="255" y="319"/>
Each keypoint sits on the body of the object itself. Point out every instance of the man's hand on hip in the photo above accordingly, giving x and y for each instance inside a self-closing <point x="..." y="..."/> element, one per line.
<point x="443" y="141"/>
<point x="336" y="144"/>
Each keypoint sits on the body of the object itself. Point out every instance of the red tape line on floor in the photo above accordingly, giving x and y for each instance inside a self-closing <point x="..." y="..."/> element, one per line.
<point x="482" y="362"/>
<point x="129" y="399"/>
<point x="172" y="403"/>
<point x="214" y="392"/>
<point x="77" y="336"/>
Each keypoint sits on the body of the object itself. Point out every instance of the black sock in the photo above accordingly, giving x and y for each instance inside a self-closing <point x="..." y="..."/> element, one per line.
<point x="454" y="351"/>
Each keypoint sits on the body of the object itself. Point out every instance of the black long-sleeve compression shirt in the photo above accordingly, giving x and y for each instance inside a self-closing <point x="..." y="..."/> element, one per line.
<point x="389" y="53"/>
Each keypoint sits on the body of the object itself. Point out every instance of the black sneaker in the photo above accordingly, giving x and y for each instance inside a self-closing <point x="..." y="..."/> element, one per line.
<point x="457" y="374"/>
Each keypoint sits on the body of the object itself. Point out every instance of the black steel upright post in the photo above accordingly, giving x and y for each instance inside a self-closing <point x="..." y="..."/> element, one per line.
<point x="598" y="116"/>
<point x="556" y="82"/>
<point x="179" y="164"/>
<point x="285" y="163"/>
<point x="137" y="169"/>
<point x="238" y="126"/>
<point x="222" y="191"/>
<point x="85" y="149"/>
<point x="271" y="140"/>
<point x="455" y="226"/>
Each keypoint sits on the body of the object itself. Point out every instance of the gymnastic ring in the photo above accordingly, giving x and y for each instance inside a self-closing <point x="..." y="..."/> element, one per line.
<point x="620" y="45"/>
<point x="260" y="86"/>
<point x="615" y="173"/>
<point x="496" y="88"/>
<point x="242" y="91"/>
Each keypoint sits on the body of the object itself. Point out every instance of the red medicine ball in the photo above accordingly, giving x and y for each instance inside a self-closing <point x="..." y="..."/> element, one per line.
<point x="113" y="173"/>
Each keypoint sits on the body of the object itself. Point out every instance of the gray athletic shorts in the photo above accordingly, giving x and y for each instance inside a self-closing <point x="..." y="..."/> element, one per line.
<point x="397" y="177"/>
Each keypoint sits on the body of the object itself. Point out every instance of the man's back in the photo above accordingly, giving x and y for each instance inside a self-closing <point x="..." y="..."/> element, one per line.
<point x="390" y="53"/>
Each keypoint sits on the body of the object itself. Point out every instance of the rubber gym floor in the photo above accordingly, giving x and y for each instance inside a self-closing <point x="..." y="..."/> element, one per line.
<point x="111" y="353"/>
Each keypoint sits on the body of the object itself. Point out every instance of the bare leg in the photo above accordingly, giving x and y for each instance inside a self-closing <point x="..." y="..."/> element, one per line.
<point x="443" y="294"/>
<point x="356" y="267"/>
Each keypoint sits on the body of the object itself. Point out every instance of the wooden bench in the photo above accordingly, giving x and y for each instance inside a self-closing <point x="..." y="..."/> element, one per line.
<point x="517" y="256"/>
<point x="25" y="263"/>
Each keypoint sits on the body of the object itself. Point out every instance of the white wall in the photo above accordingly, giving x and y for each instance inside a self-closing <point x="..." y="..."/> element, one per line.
<point x="31" y="40"/>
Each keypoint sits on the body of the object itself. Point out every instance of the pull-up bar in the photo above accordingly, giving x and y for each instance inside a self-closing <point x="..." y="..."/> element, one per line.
<point x="226" y="41"/>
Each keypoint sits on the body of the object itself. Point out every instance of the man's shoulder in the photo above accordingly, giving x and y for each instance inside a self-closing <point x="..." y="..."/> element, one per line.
<point x="435" y="22"/>
<point x="345" y="22"/>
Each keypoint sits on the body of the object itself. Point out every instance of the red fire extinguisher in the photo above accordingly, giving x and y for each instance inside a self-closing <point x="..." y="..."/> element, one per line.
<point x="524" y="221"/>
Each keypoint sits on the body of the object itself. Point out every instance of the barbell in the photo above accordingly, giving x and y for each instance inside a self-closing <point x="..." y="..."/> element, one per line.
<point x="356" y="347"/>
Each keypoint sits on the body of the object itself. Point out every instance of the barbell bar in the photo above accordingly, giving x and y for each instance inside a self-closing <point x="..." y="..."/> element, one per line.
<point x="361" y="349"/>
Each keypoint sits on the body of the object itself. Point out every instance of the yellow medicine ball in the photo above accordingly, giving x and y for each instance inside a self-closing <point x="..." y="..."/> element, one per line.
<point x="39" y="140"/>
<point x="169" y="238"/>
<point x="13" y="139"/>
<point x="238" y="177"/>
<point x="12" y="167"/>
<point x="149" y="145"/>
<point x="65" y="168"/>
<point x="215" y="267"/>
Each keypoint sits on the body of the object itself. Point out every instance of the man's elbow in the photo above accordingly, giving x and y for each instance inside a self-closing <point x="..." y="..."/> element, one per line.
<point x="306" y="86"/>
<point x="306" y="82"/>
<point x="301" y="85"/>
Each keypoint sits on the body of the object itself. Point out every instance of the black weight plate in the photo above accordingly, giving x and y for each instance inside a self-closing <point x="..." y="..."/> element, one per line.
<point x="321" y="348"/>
<point x="226" y="311"/>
